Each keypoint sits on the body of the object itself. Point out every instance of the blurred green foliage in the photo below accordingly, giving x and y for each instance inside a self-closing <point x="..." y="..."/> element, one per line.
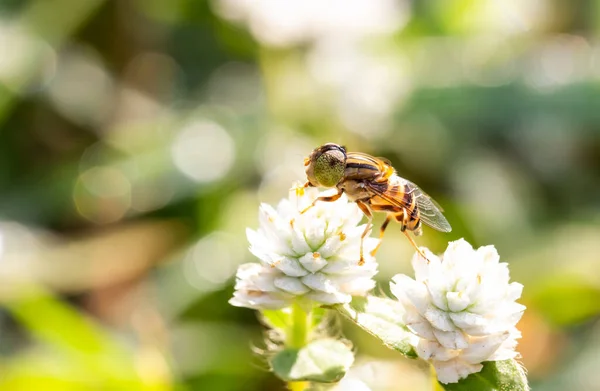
<point x="137" y="139"/>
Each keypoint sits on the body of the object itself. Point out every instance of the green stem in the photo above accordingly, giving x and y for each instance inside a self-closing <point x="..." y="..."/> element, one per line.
<point x="297" y="338"/>
<point x="434" y="380"/>
<point x="297" y="333"/>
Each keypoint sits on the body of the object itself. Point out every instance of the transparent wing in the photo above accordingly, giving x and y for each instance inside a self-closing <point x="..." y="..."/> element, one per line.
<point x="429" y="211"/>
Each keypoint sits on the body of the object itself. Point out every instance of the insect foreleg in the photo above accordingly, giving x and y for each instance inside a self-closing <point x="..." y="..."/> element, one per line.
<point x="331" y="198"/>
<point x="366" y="209"/>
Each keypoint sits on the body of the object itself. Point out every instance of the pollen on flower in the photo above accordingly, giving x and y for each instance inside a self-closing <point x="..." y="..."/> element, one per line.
<point x="458" y="321"/>
<point x="304" y="253"/>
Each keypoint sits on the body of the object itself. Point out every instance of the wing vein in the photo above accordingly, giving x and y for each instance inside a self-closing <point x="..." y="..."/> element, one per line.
<point x="429" y="212"/>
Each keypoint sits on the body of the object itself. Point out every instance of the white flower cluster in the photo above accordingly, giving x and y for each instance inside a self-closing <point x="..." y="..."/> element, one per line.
<point x="313" y="255"/>
<point x="461" y="309"/>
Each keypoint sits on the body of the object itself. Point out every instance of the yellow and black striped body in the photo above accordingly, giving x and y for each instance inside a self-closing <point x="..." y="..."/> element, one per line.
<point x="374" y="181"/>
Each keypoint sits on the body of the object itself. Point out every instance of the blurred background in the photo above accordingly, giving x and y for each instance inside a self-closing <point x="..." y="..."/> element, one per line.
<point x="138" y="137"/>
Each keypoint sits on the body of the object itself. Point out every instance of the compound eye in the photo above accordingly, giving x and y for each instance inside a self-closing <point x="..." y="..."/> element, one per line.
<point x="329" y="168"/>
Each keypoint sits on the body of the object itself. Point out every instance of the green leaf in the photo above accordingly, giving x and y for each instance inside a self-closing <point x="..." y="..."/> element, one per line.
<point x="381" y="318"/>
<point x="505" y="375"/>
<point x="277" y="319"/>
<point x="74" y="352"/>
<point x="323" y="360"/>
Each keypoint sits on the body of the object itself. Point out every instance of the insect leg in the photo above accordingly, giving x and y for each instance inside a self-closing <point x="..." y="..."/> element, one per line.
<point x="405" y="222"/>
<point x="326" y="199"/>
<point x="400" y="219"/>
<point x="418" y="231"/>
<point x="421" y="253"/>
<point x="405" y="219"/>
<point x="366" y="209"/>
<point x="381" y="232"/>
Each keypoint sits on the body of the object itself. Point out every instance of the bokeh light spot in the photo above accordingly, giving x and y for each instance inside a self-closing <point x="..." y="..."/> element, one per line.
<point x="82" y="90"/>
<point x="102" y="195"/>
<point x="27" y="63"/>
<point x="203" y="151"/>
<point x="212" y="261"/>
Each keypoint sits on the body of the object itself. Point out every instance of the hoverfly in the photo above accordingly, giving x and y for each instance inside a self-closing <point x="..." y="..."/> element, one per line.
<point x="373" y="184"/>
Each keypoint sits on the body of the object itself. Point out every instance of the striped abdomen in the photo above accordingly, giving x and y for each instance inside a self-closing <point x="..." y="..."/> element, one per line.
<point x="399" y="198"/>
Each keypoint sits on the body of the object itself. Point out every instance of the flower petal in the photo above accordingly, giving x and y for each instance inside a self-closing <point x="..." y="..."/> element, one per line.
<point x="507" y="349"/>
<point x="451" y="339"/>
<point x="356" y="285"/>
<point x="432" y="350"/>
<point x="514" y="291"/>
<point x="341" y="265"/>
<point x="488" y="254"/>
<point x="319" y="282"/>
<point x="298" y="242"/>
<point x="473" y="324"/>
<point x="291" y="267"/>
<point x="459" y="252"/>
<point x="313" y="262"/>
<point x="418" y="325"/>
<point x="329" y="298"/>
<point x="291" y="285"/>
<point x="457" y="301"/>
<point x="404" y="287"/>
<point x="452" y="371"/>
<point x="422" y="267"/>
<point x="315" y="233"/>
<point x="332" y="245"/>
<point x="481" y="348"/>
<point x="439" y="319"/>
<point x="259" y="300"/>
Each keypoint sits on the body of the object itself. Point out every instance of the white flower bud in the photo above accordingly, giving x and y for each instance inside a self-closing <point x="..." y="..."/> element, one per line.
<point x="461" y="309"/>
<point x="313" y="255"/>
